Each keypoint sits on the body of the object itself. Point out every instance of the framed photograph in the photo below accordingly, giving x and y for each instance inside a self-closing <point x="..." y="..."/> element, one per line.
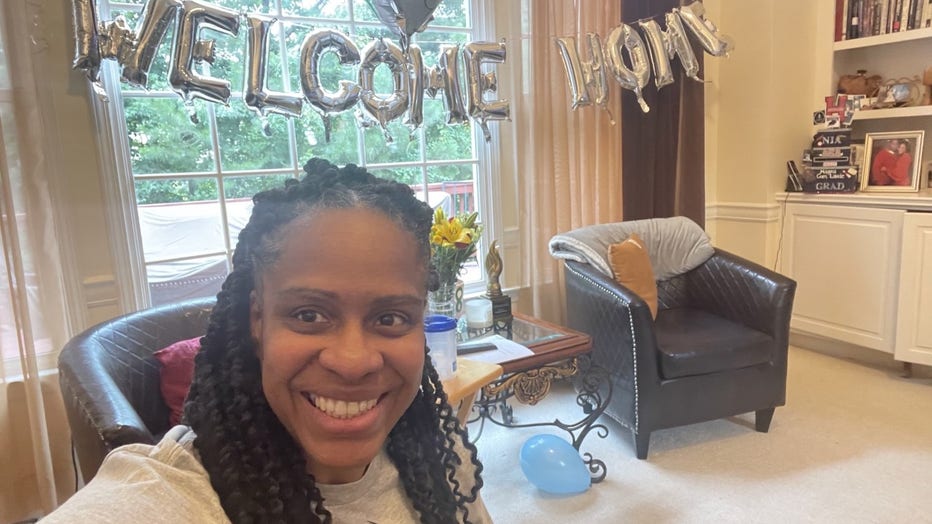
<point x="892" y="161"/>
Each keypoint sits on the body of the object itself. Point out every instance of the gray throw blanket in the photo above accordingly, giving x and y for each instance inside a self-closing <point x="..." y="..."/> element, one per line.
<point x="675" y="245"/>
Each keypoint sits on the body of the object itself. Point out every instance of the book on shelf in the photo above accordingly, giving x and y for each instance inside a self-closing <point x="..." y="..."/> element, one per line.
<point x="863" y="18"/>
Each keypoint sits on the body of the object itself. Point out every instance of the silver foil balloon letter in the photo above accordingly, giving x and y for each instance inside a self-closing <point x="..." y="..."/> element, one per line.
<point x="715" y="43"/>
<point x="182" y="77"/>
<point x="257" y="50"/>
<point x="575" y="76"/>
<point x="660" y="47"/>
<point x="680" y="45"/>
<point x="475" y="54"/>
<point x="415" y="116"/>
<point x="383" y="108"/>
<point x="589" y="79"/>
<point x="157" y="15"/>
<point x="635" y="78"/>
<point x="445" y="77"/>
<point x="315" y="45"/>
<point x="86" y="50"/>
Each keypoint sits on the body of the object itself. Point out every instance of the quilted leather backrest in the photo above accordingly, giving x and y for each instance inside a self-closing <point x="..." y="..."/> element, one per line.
<point x="675" y="245"/>
<point x="122" y="350"/>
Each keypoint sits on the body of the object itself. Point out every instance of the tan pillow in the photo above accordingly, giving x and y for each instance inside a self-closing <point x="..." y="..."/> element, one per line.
<point x="631" y="267"/>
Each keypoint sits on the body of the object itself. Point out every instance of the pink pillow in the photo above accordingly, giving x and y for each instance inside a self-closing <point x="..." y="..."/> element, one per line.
<point x="176" y="375"/>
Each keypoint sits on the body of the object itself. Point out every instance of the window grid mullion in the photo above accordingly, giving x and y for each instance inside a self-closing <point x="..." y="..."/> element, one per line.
<point x="221" y="193"/>
<point x="286" y="83"/>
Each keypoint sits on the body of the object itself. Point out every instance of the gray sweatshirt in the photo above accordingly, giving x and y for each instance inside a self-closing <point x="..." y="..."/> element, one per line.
<point x="166" y="483"/>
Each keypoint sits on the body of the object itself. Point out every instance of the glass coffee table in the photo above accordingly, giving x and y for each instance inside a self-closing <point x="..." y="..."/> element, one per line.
<point x="557" y="353"/>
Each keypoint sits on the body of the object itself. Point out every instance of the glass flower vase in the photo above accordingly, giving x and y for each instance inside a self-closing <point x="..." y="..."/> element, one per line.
<point x="446" y="300"/>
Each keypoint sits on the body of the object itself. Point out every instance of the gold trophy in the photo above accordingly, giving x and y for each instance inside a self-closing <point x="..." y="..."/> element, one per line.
<point x="501" y="303"/>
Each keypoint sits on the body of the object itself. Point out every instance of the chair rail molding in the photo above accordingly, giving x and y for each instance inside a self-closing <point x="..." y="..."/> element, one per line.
<point x="743" y="212"/>
<point x="101" y="298"/>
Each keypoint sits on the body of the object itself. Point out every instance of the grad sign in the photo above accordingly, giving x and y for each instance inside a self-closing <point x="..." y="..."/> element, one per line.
<point x="134" y="50"/>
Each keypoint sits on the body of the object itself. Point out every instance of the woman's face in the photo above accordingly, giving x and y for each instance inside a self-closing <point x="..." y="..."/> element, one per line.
<point x="339" y="324"/>
<point x="901" y="148"/>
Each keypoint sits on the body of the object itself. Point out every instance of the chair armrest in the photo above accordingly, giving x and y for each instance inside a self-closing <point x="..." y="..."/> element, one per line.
<point x="618" y="321"/>
<point x="100" y="416"/>
<point x="744" y="292"/>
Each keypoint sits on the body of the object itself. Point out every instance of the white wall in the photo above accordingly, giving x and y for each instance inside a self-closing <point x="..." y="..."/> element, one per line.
<point x="759" y="105"/>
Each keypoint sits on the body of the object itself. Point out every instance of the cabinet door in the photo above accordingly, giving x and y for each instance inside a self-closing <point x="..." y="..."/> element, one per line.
<point x="914" y="314"/>
<point x="845" y="261"/>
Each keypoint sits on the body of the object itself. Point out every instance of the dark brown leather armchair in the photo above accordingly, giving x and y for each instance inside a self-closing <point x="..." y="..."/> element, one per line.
<point x="110" y="380"/>
<point x="717" y="348"/>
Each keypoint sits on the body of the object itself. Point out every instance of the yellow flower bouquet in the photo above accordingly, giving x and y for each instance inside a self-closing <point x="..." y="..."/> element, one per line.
<point x="453" y="241"/>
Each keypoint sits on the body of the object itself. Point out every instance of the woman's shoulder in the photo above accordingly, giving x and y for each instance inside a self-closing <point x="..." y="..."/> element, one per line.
<point x="138" y="482"/>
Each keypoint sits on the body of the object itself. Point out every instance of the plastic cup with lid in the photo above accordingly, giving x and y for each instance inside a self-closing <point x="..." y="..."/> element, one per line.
<point x="440" y="331"/>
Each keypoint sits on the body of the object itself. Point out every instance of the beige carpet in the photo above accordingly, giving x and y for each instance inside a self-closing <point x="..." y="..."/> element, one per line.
<point x="853" y="444"/>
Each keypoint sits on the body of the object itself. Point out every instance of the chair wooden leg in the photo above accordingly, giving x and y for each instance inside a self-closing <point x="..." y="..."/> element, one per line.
<point x="762" y="418"/>
<point x="641" y="443"/>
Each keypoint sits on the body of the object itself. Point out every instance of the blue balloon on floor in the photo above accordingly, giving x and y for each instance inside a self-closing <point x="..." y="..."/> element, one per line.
<point x="554" y="465"/>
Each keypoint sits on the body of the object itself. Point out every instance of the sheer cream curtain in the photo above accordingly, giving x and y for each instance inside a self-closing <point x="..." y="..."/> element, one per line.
<point x="568" y="162"/>
<point x="33" y="324"/>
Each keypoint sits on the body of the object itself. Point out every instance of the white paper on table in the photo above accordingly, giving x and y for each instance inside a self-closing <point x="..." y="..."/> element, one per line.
<point x="504" y="351"/>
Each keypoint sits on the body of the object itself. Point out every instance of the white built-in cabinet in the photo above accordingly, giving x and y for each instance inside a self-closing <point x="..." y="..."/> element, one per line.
<point x="863" y="267"/>
<point x="914" y="310"/>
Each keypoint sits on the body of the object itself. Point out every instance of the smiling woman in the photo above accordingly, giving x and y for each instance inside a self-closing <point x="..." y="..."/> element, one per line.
<point x="312" y="399"/>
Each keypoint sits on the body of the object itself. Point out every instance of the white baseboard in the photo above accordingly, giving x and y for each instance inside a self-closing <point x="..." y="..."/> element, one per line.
<point x="851" y="352"/>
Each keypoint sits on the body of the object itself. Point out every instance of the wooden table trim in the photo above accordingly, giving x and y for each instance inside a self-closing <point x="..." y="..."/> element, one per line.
<point x="572" y="343"/>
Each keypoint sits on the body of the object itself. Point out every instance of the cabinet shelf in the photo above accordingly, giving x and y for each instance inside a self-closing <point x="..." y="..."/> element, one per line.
<point x="889" y="38"/>
<point x="893" y="112"/>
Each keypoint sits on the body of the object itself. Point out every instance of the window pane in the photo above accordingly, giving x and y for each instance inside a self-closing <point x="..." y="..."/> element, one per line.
<point x="173" y="282"/>
<point x="362" y="11"/>
<point x="162" y="138"/>
<point x="243" y="144"/>
<point x="180" y="230"/>
<point x="273" y="72"/>
<point x="235" y="187"/>
<point x="229" y="58"/>
<point x="412" y="176"/>
<point x="239" y="191"/>
<point x="368" y="33"/>
<point x="445" y="141"/>
<point x="452" y="13"/>
<point x="317" y="8"/>
<point x="403" y="147"/>
<point x="343" y="147"/>
<point x="406" y="175"/>
<point x="457" y="180"/>
<point x="430" y="42"/>
<point x="175" y="190"/>
<point x="248" y="6"/>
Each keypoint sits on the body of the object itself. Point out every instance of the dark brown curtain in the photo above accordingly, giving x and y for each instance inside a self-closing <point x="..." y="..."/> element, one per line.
<point x="663" y="151"/>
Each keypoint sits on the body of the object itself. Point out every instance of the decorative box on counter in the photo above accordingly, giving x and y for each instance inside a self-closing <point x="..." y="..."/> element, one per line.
<point x="830" y="179"/>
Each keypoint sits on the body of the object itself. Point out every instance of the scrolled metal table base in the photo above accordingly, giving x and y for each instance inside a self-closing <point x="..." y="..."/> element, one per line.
<point x="529" y="387"/>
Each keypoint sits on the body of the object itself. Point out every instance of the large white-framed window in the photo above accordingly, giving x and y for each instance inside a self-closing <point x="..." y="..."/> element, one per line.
<point x="184" y="174"/>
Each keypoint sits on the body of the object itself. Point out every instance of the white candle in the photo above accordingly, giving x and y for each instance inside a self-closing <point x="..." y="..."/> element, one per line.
<point x="478" y="313"/>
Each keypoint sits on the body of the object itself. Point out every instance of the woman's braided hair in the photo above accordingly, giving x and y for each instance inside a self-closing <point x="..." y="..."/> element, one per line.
<point x="257" y="469"/>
